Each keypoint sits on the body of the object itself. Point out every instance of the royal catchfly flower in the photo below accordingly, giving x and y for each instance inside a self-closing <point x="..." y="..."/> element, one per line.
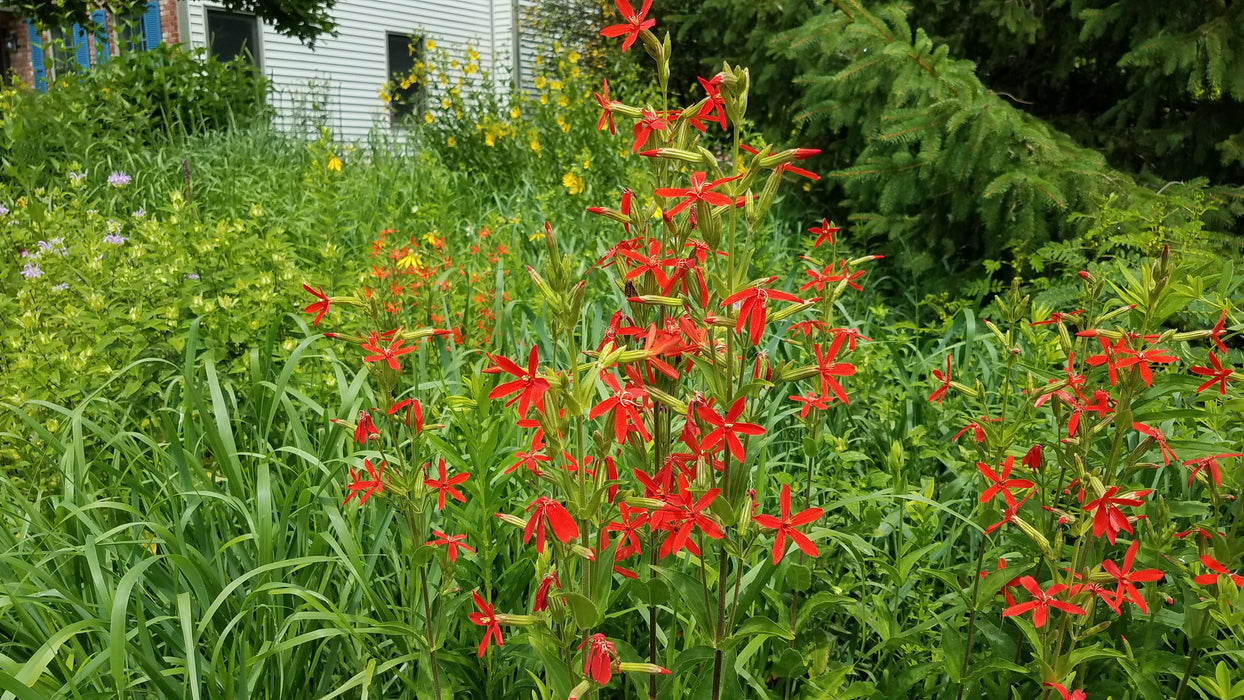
<point x="601" y="656"/>
<point x="452" y="544"/>
<point x="529" y="387"/>
<point x="785" y="526"/>
<point x="1041" y="602"/>
<point x="320" y="307"/>
<point x="365" y="488"/>
<point x="1217" y="569"/>
<point x="1107" y="518"/>
<point x="546" y="510"/>
<point x="1127" y="579"/>
<point x="726" y="429"/>
<point x="445" y="484"/>
<point x="945" y="383"/>
<point x="487" y="618"/>
<point x="633" y="23"/>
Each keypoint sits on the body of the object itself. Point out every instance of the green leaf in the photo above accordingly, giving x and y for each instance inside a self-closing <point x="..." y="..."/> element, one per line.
<point x="586" y="615"/>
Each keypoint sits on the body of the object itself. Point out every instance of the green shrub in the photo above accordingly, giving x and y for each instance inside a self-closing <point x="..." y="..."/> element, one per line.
<point x="138" y="99"/>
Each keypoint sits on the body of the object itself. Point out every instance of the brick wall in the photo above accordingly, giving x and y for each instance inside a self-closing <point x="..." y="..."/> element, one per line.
<point x="19" y="61"/>
<point x="168" y="21"/>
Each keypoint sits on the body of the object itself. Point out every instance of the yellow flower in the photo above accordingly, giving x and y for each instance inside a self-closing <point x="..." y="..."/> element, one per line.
<point x="557" y="47"/>
<point x="541" y="82"/>
<point x="445" y="103"/>
<point x="537" y="236"/>
<point x="572" y="182"/>
<point x="430" y="238"/>
<point x="471" y="68"/>
<point x="410" y="260"/>
<point x="544" y="99"/>
<point x="334" y="163"/>
<point x="563" y="101"/>
<point x="427" y="117"/>
<point x="451" y="142"/>
<point x="515" y="113"/>
<point x="453" y="63"/>
<point x="489" y="139"/>
<point x="472" y="55"/>
<point x="587" y="163"/>
<point x="574" y="72"/>
<point x="555" y="85"/>
<point x="573" y="56"/>
<point x="535" y="146"/>
<point x="431" y="45"/>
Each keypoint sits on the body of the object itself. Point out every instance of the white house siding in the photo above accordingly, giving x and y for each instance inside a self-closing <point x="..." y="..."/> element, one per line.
<point x="338" y="83"/>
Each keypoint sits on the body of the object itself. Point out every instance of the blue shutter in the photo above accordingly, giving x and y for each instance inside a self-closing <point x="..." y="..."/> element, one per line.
<point x="151" y="25"/>
<point x="81" y="49"/>
<point x="36" y="58"/>
<point x="102" y="54"/>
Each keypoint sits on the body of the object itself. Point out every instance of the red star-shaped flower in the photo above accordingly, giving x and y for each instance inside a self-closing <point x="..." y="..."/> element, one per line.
<point x="786" y="525"/>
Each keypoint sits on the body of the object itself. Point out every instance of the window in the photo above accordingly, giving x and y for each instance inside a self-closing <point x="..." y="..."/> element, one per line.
<point x="130" y="34"/>
<point x="231" y="35"/>
<point x="407" y="93"/>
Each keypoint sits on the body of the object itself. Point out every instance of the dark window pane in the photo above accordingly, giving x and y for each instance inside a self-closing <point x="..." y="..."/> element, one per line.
<point x="130" y="33"/>
<point x="232" y="35"/>
<point x="404" y="51"/>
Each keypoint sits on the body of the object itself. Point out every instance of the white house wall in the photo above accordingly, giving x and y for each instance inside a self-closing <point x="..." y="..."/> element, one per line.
<point x="338" y="83"/>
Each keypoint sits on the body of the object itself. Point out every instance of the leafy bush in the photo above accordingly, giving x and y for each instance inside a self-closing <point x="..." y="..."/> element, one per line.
<point x="138" y="99"/>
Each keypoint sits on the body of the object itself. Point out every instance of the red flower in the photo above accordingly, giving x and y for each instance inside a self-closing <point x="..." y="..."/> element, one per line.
<point x="529" y="386"/>
<point x="1109" y="356"/>
<point x="648" y="122"/>
<point x="1215" y="333"/>
<point x="824" y="233"/>
<point x="753" y="300"/>
<point x="726" y="430"/>
<point x="1010" y="599"/>
<point x="1042" y="601"/>
<point x="698" y="192"/>
<point x="977" y="431"/>
<point x="1167" y="453"/>
<point x="1001" y="483"/>
<point x="1217" y="374"/>
<point x="828" y="369"/>
<point x="626" y="418"/>
<point x="388" y="354"/>
<point x="1057" y="317"/>
<point x="542" y="591"/>
<point x="558" y="518"/>
<point x="944" y="379"/>
<point x="1209" y="464"/>
<point x="452" y="543"/>
<point x="811" y="401"/>
<point x="366" y="428"/>
<point x="601" y="656"/>
<point x="1141" y="359"/>
<point x="364" y="488"/>
<point x="1215" y="566"/>
<point x="319" y="308"/>
<point x="851" y="334"/>
<point x="806" y="327"/>
<point x="445" y="486"/>
<point x="632" y="520"/>
<point x="682" y="514"/>
<point x="633" y="23"/>
<point x="531" y="458"/>
<point x="786" y="525"/>
<point x="1109" y="519"/>
<point x="1032" y="458"/>
<point x="714" y="107"/>
<point x="1009" y="514"/>
<point x="606" y="106"/>
<point x="414" y="411"/>
<point x="1062" y="690"/>
<point x="1127" y="579"/>
<point x="487" y="618"/>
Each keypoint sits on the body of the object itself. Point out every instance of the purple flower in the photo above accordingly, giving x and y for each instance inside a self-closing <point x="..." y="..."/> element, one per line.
<point x="119" y="179"/>
<point x="115" y="239"/>
<point x="60" y="287"/>
<point x="192" y="276"/>
<point x="3" y="210"/>
<point x="54" y="245"/>
<point x="31" y="271"/>
<point x="140" y="213"/>
<point x="77" y="177"/>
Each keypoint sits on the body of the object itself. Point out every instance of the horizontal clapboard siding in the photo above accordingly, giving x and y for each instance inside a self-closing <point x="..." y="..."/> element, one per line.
<point x="338" y="83"/>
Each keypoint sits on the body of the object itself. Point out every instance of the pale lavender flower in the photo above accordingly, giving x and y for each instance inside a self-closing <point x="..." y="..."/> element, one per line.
<point x="192" y="276"/>
<point x="115" y="239"/>
<point x="31" y="271"/>
<point x="60" y="287"/>
<point x="140" y="213"/>
<point x="119" y="179"/>
<point x="3" y="210"/>
<point x="77" y="177"/>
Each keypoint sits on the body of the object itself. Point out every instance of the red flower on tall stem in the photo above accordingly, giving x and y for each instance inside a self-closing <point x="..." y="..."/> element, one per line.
<point x="1109" y="356"/>
<point x="1217" y="373"/>
<point x="1217" y="569"/>
<point x="824" y="233"/>
<point x="698" y="192"/>
<point x="623" y="403"/>
<point x="1167" y="453"/>
<point x="1140" y="359"/>
<point x="632" y="23"/>
<point x="542" y="591"/>
<point x="1009" y="514"/>
<point x="945" y="380"/>
<point x="714" y="108"/>
<point x="445" y="484"/>
<point x="682" y="514"/>
<point x="546" y="510"/>
<point x="366" y="428"/>
<point x="1209" y="464"/>
<point x="1042" y="602"/>
<point x="531" y="458"/>
<point x="414" y="412"/>
<point x="1215" y="333"/>
<point x="606" y="107"/>
<point x="1067" y="695"/>
<point x="1001" y="483"/>
<point x="487" y="618"/>
<point x="752" y="307"/>
<point x="319" y="308"/>
<point x="786" y="525"/>
<point x="648" y="122"/>
<point x="601" y="657"/>
<point x="1107" y="518"/>
<point x="528" y="386"/>
<point x="1127" y="579"/>
<point x="389" y="353"/>
<point x="828" y="369"/>
<point x="811" y="401"/>
<point x="727" y="429"/>
<point x="631" y="520"/>
<point x="365" y="488"/>
<point x="452" y="543"/>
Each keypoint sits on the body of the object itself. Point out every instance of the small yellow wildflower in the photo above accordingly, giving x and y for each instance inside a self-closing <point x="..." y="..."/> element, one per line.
<point x="544" y="99"/>
<point x="537" y="236"/>
<point x="515" y="113"/>
<point x="445" y="103"/>
<point x="431" y="45"/>
<point x="471" y="68"/>
<point x="587" y="163"/>
<point x="572" y="182"/>
<point x="541" y="81"/>
<point x="334" y="164"/>
<point x="453" y="64"/>
<point x="557" y="47"/>
<point x="451" y="142"/>
<point x="574" y="72"/>
<point x="563" y="101"/>
<point x="489" y="139"/>
<point x="430" y="238"/>
<point x="573" y="57"/>
<point x="555" y="85"/>
<point x="656" y="214"/>
<point x="535" y="146"/>
<point x="427" y="117"/>
<point x="410" y="260"/>
<point x="472" y="55"/>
